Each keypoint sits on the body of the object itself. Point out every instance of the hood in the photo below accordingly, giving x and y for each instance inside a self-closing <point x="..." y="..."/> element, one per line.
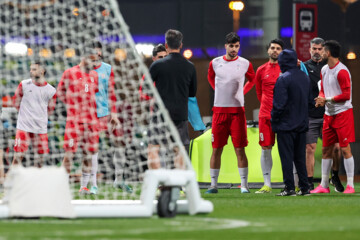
<point x="287" y="60"/>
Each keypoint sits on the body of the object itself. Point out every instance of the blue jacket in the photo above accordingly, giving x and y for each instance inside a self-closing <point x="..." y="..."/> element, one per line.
<point x="292" y="95"/>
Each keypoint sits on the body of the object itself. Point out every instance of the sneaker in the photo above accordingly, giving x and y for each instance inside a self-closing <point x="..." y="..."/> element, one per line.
<point x="335" y="181"/>
<point x="286" y="192"/>
<point x="123" y="186"/>
<point x="84" y="191"/>
<point x="93" y="190"/>
<point x="264" y="189"/>
<point x="311" y="186"/>
<point x="211" y="190"/>
<point x="245" y="190"/>
<point x="297" y="189"/>
<point x="320" y="189"/>
<point x="303" y="193"/>
<point x="349" y="190"/>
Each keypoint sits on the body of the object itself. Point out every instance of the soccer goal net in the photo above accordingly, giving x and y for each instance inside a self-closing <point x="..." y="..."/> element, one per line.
<point x="57" y="35"/>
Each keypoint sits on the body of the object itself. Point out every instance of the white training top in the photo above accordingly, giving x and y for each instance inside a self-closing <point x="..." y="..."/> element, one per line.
<point x="229" y="81"/>
<point x="332" y="88"/>
<point x="33" y="112"/>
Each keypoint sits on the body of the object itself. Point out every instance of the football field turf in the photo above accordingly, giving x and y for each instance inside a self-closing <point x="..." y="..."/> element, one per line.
<point x="236" y="216"/>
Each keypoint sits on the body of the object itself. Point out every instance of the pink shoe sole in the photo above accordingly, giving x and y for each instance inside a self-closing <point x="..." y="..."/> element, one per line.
<point x="320" y="189"/>
<point x="349" y="190"/>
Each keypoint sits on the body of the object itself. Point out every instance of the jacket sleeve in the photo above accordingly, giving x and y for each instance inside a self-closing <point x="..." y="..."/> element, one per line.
<point x="250" y="76"/>
<point x="193" y="84"/>
<point x="61" y="88"/>
<point x="280" y="100"/>
<point x="258" y="84"/>
<point x="211" y="76"/>
<point x="321" y="92"/>
<point x="344" y="82"/>
<point x="112" y="95"/>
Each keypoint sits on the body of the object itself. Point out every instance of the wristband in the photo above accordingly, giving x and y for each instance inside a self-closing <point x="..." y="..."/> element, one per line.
<point x="328" y="99"/>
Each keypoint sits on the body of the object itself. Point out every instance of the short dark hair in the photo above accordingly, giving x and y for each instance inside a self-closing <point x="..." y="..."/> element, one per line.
<point x="232" y="38"/>
<point x="333" y="47"/>
<point x="317" y="40"/>
<point x="97" y="44"/>
<point x="158" y="48"/>
<point x="40" y="63"/>
<point x="173" y="38"/>
<point x="276" y="41"/>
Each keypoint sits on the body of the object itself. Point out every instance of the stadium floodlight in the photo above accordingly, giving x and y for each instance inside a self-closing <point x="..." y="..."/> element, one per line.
<point x="16" y="49"/>
<point x="188" y="53"/>
<point x="123" y="153"/>
<point x="144" y="49"/>
<point x="236" y="5"/>
<point x="351" y="56"/>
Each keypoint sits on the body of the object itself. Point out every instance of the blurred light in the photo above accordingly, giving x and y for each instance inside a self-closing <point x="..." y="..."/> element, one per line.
<point x="236" y="5"/>
<point x="30" y="52"/>
<point x="75" y="11"/>
<point x="45" y="53"/>
<point x="286" y="32"/>
<point x="105" y="13"/>
<point x="16" y="49"/>
<point x="188" y="53"/>
<point x="247" y="32"/>
<point x="351" y="56"/>
<point x="144" y="49"/>
<point x="69" y="52"/>
<point x="120" y="54"/>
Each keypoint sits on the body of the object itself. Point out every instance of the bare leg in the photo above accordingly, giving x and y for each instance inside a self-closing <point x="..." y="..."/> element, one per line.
<point x="310" y="158"/>
<point x="67" y="161"/>
<point x="336" y="157"/>
<point x="18" y="157"/>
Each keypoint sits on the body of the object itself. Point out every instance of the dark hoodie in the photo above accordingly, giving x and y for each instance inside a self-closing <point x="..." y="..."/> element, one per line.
<point x="292" y="94"/>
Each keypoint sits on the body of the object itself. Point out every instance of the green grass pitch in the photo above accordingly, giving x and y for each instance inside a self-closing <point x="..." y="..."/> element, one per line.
<point x="236" y="216"/>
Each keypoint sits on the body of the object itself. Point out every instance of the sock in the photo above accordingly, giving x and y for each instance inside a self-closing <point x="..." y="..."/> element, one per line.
<point x="349" y="168"/>
<point x="296" y="177"/>
<point x="266" y="166"/>
<point x="325" y="172"/>
<point x="85" y="177"/>
<point x="214" y="174"/>
<point x="119" y="162"/>
<point x="94" y="168"/>
<point x="244" y="177"/>
<point x="310" y="180"/>
<point x="335" y="173"/>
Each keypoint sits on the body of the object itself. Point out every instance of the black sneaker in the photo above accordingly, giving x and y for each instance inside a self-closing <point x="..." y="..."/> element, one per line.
<point x="303" y="193"/>
<point x="286" y="192"/>
<point x="335" y="181"/>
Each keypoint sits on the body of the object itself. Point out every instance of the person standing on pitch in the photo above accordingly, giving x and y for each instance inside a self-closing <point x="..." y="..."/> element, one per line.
<point x="105" y="106"/>
<point x="265" y="79"/>
<point x="289" y="120"/>
<point x="316" y="114"/>
<point x="77" y="89"/>
<point x="175" y="80"/>
<point x="35" y="99"/>
<point x="226" y="76"/>
<point x="338" y="126"/>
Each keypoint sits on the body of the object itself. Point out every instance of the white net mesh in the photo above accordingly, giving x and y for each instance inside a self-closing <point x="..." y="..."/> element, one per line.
<point x="56" y="33"/>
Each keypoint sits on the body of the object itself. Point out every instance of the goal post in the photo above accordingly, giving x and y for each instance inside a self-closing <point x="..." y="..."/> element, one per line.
<point x="56" y="32"/>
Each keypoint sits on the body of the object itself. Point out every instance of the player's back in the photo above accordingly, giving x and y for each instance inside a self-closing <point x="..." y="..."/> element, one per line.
<point x="77" y="89"/>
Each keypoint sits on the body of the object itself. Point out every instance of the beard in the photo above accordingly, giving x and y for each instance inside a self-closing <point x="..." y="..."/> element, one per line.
<point x="274" y="58"/>
<point x="232" y="54"/>
<point x="316" y="57"/>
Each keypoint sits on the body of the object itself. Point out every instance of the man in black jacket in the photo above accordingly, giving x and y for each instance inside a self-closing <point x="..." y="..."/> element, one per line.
<point x="289" y="119"/>
<point x="175" y="80"/>
<point x="316" y="115"/>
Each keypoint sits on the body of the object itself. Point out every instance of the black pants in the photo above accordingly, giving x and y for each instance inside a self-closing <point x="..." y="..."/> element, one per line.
<point x="292" y="150"/>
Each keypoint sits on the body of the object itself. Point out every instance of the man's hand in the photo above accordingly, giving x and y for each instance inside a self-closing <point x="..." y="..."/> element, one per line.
<point x="320" y="101"/>
<point x="114" y="121"/>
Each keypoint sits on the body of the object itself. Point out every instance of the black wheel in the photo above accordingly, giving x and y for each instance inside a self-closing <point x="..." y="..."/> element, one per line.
<point x="166" y="206"/>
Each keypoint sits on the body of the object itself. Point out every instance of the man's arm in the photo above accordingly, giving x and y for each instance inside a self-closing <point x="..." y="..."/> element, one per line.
<point x="320" y="100"/>
<point x="280" y="100"/>
<point x="52" y="104"/>
<point x="114" y="121"/>
<point x="345" y="85"/>
<point x="250" y="76"/>
<point x="18" y="96"/>
<point x="258" y="84"/>
<point x="211" y="75"/>
<point x="61" y="88"/>
<point x="193" y="84"/>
